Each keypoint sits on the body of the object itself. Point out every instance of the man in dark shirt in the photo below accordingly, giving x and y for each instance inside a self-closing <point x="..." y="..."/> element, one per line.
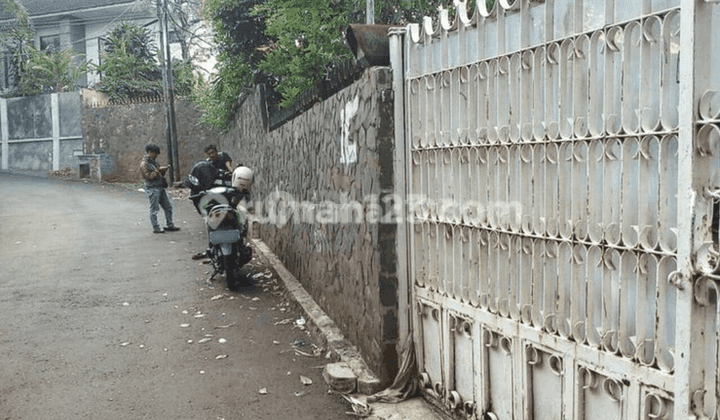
<point x="220" y="160"/>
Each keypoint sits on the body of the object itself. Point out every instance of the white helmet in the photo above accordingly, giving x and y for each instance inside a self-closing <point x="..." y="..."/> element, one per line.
<point x="242" y="178"/>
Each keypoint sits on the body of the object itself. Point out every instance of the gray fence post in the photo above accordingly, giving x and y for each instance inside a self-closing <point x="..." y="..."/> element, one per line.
<point x="55" y="111"/>
<point x="4" y="134"/>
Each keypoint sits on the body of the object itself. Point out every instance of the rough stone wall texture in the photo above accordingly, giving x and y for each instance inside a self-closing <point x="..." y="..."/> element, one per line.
<point x="123" y="131"/>
<point x="348" y="267"/>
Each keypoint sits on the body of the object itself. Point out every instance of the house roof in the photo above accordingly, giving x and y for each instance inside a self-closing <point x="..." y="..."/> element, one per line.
<point x="37" y="8"/>
<point x="42" y="9"/>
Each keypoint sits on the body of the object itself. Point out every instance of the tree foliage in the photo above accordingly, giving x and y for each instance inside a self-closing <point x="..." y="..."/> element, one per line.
<point x="237" y="34"/>
<point x="130" y="68"/>
<point x="51" y="71"/>
<point x="307" y="38"/>
<point x="16" y="38"/>
<point x="287" y="44"/>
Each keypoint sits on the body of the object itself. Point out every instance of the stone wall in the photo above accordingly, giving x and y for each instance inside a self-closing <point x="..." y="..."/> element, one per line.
<point x="121" y="132"/>
<point x="339" y="152"/>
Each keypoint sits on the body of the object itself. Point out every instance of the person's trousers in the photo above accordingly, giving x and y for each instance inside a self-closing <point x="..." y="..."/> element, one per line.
<point x="158" y="197"/>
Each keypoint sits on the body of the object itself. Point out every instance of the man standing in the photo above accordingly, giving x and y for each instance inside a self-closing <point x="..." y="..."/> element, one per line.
<point x="220" y="160"/>
<point x="155" y="184"/>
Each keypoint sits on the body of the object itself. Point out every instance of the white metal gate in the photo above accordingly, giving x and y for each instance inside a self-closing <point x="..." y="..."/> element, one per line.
<point x="563" y="157"/>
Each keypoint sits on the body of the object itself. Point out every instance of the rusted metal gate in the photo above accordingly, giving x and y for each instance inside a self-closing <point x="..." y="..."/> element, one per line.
<point x="562" y="160"/>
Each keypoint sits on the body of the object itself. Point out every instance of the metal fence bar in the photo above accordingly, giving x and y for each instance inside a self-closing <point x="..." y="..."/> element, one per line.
<point x="552" y="143"/>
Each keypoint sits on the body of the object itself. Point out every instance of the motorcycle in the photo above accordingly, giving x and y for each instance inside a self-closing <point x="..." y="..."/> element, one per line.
<point x="222" y="199"/>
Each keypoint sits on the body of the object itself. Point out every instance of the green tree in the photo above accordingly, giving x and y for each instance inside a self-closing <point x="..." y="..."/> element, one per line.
<point x="307" y="38"/>
<point x="48" y="71"/>
<point x="289" y="45"/>
<point x="128" y="67"/>
<point x="237" y="35"/>
<point x="183" y="78"/>
<point x="15" y="39"/>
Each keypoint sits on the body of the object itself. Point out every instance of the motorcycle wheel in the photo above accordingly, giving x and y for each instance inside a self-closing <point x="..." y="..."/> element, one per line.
<point x="232" y="272"/>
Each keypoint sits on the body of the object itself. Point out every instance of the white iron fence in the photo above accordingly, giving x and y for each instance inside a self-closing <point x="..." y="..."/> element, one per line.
<point x="563" y="158"/>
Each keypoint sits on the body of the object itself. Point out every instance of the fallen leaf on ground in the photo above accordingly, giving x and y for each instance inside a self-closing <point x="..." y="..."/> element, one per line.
<point x="305" y="380"/>
<point x="360" y="408"/>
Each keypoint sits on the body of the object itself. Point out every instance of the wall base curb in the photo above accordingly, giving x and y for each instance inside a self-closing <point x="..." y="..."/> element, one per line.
<point x="322" y="325"/>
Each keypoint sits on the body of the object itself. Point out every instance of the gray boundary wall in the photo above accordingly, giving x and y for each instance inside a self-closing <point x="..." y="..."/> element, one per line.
<point x="40" y="133"/>
<point x="340" y="151"/>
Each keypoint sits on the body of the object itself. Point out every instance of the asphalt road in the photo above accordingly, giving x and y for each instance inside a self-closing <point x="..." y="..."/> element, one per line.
<point x="102" y="319"/>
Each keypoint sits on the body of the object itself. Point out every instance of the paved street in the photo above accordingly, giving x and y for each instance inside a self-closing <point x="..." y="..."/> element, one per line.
<point x="101" y="319"/>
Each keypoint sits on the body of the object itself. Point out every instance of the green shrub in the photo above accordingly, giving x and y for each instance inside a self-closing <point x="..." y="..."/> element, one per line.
<point x="48" y="71"/>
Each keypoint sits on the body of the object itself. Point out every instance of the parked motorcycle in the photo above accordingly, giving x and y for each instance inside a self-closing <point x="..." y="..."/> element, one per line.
<point x="222" y="199"/>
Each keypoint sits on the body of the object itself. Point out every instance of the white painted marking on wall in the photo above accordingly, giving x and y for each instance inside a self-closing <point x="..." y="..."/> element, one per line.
<point x="348" y="149"/>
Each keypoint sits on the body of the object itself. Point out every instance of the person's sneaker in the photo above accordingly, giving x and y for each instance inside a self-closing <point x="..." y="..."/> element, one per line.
<point x="171" y="228"/>
<point x="200" y="255"/>
<point x="158" y="231"/>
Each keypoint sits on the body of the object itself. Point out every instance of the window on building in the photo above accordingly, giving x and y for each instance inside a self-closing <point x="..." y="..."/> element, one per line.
<point x="51" y="43"/>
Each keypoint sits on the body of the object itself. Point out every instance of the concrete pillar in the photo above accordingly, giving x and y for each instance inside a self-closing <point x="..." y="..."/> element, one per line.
<point x="4" y="135"/>
<point x="55" y="111"/>
<point x="400" y="159"/>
